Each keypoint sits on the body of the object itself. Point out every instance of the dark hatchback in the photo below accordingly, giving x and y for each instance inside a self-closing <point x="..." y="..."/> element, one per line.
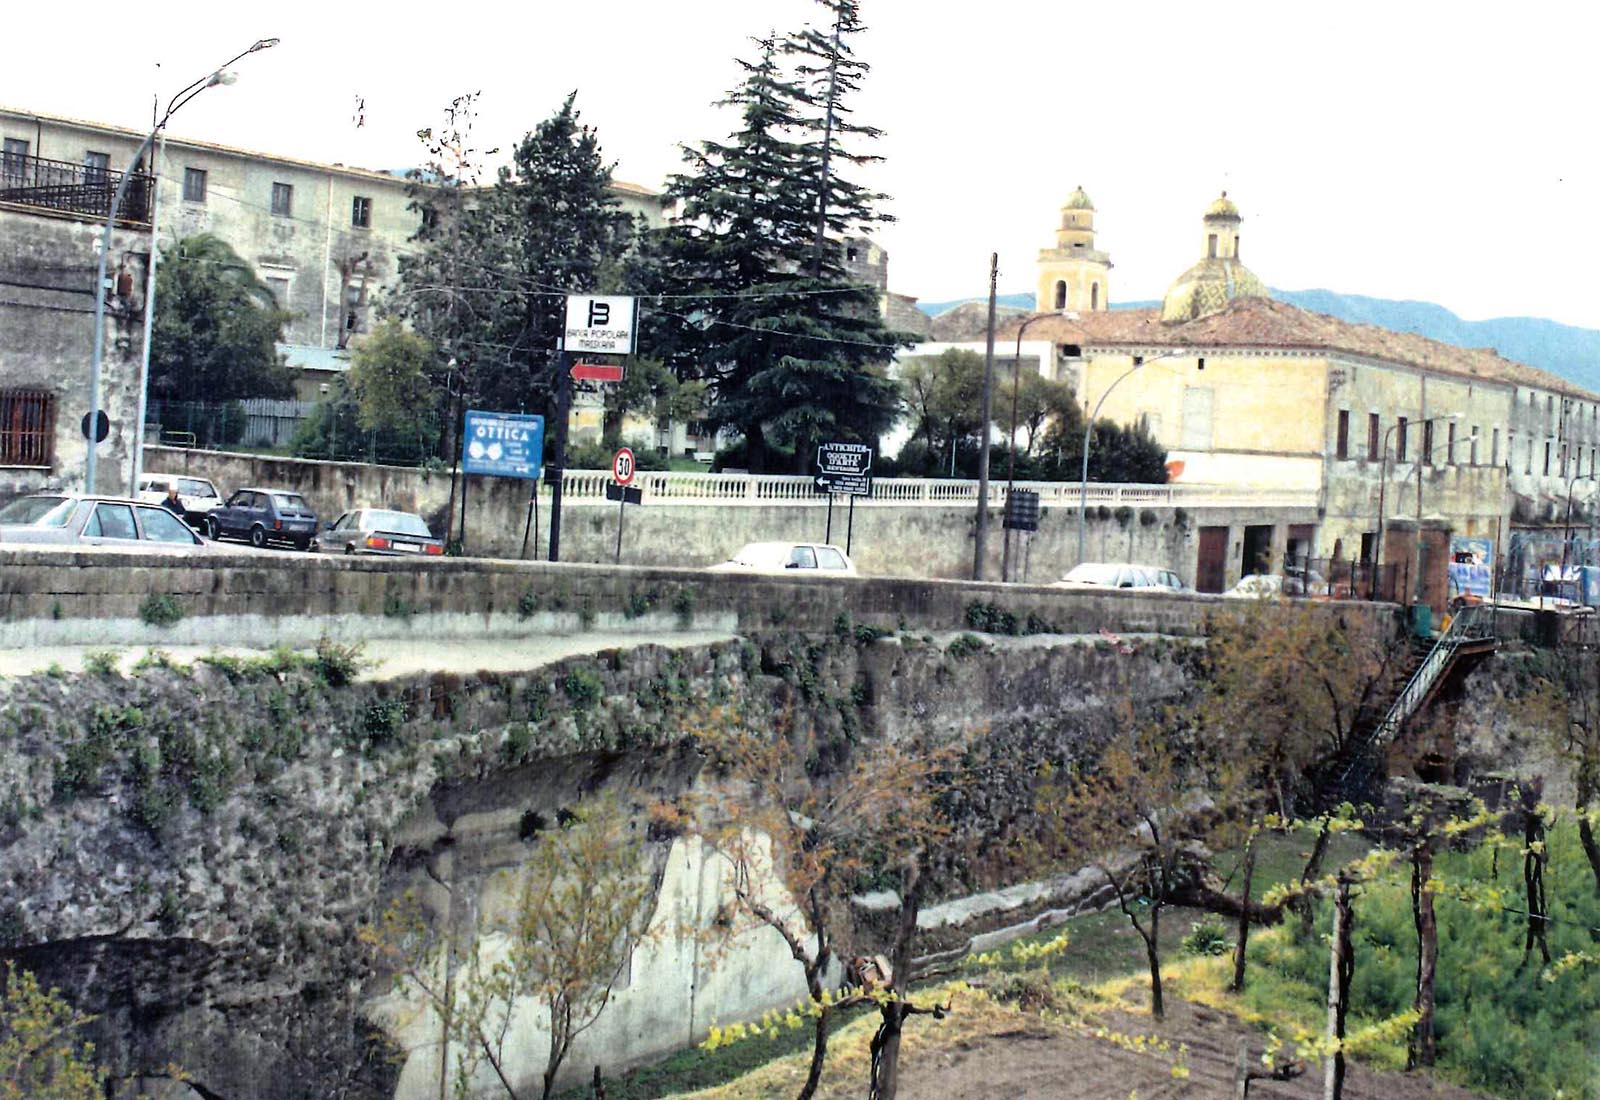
<point x="264" y="516"/>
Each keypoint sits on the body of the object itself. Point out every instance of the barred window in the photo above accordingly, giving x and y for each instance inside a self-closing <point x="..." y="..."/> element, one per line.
<point x="27" y="428"/>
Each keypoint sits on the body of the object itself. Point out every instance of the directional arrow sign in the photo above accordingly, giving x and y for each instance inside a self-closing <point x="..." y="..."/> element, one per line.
<point x="844" y="468"/>
<point x="597" y="372"/>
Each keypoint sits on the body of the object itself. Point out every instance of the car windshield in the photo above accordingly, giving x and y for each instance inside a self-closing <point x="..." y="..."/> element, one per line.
<point x="189" y="487"/>
<point x="59" y="516"/>
<point x="28" y="509"/>
<point x="290" y="502"/>
<point x="401" y="523"/>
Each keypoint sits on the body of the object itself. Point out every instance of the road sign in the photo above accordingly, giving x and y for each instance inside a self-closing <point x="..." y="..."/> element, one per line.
<point x="622" y="466"/>
<point x="628" y="494"/>
<point x="601" y="324"/>
<point x="597" y="372"/>
<point x="503" y="444"/>
<point x="1022" y="510"/>
<point x="102" y="426"/>
<point x="844" y="468"/>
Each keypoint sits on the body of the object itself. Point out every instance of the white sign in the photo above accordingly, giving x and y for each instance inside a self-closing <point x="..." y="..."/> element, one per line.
<point x="601" y="324"/>
<point x="622" y="466"/>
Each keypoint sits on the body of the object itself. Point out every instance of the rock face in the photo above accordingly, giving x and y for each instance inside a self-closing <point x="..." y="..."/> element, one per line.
<point x="189" y="853"/>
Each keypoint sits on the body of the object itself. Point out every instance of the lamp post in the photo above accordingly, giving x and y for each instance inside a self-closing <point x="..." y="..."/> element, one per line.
<point x="1088" y="428"/>
<point x="1011" y="452"/>
<point x="1383" y="484"/>
<point x="219" y="75"/>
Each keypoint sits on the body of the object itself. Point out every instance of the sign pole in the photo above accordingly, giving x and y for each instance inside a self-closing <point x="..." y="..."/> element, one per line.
<point x="533" y="498"/>
<point x="622" y="510"/>
<point x="850" y="527"/>
<point x="558" y="468"/>
<point x="461" y="539"/>
<point x="828" y="538"/>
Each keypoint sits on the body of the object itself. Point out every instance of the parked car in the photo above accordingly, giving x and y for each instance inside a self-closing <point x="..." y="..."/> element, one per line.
<point x="105" y="521"/>
<point x="381" y="531"/>
<point x="198" y="496"/>
<point x="29" y="508"/>
<point x="1094" y="574"/>
<point x="264" y="516"/>
<point x="810" y="559"/>
<point x="1258" y="586"/>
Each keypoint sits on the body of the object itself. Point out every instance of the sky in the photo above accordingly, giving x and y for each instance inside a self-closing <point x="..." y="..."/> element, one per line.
<point x="1411" y="149"/>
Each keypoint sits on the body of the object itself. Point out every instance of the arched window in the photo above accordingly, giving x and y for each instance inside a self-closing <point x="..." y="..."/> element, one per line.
<point x="1094" y="295"/>
<point x="1061" y="294"/>
<point x="1236" y="246"/>
<point x="1211" y="246"/>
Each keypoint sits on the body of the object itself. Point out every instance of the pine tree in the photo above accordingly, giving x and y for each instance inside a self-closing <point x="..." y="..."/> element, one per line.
<point x="792" y="352"/>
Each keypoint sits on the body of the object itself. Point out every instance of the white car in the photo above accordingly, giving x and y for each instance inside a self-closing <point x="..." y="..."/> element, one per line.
<point x="807" y="559"/>
<point x="197" y="495"/>
<point x="1094" y="574"/>
<point x="1257" y="586"/>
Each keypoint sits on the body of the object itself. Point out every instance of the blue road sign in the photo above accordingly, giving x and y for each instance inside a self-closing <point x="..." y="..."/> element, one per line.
<point x="503" y="444"/>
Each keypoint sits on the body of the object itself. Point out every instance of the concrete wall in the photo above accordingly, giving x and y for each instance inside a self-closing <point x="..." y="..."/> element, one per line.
<point x="61" y="597"/>
<point x="47" y="275"/>
<point x="889" y="540"/>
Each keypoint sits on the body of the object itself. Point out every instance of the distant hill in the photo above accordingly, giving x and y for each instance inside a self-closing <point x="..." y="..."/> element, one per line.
<point x="1568" y="351"/>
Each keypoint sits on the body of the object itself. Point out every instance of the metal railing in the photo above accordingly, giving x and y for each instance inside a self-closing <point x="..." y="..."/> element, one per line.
<point x="1471" y="624"/>
<point x="69" y="188"/>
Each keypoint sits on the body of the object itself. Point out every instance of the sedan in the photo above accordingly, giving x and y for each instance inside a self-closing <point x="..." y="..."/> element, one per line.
<point x="382" y="531"/>
<point x="805" y="559"/>
<point x="29" y="508"/>
<point x="106" y="521"/>
<point x="198" y="496"/>
<point x="1094" y="574"/>
<point x="264" y="516"/>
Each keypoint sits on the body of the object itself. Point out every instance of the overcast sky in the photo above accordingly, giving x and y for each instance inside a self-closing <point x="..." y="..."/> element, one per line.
<point x="1436" y="151"/>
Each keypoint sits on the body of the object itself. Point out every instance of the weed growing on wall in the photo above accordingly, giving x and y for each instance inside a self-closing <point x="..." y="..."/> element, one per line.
<point x="159" y="609"/>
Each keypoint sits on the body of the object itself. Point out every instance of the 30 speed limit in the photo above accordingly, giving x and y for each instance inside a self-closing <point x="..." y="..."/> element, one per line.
<point x="622" y="466"/>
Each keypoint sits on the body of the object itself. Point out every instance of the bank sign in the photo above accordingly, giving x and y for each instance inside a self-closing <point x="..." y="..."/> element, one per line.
<point x="603" y="324"/>
<point x="503" y="444"/>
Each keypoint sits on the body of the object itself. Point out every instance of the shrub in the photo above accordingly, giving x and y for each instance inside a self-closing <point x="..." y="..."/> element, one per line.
<point x="1207" y="937"/>
<point x="383" y="720"/>
<point x="991" y="619"/>
<point x="398" y="607"/>
<point x="965" y="646"/>
<point x="160" y="610"/>
<point x="1124" y="515"/>
<point x="101" y="662"/>
<point x="527" y="604"/>
<point x="1148" y="517"/>
<point x="583" y="688"/>
<point x="683" y="607"/>
<point x="337" y="664"/>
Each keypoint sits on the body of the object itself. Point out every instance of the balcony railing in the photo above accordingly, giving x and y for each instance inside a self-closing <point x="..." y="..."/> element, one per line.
<point x="77" y="189"/>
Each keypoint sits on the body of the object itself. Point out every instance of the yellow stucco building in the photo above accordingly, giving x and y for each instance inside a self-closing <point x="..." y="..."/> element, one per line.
<point x="1247" y="391"/>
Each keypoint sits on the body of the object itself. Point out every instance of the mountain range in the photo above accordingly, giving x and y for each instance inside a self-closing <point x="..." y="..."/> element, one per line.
<point x="1564" y="350"/>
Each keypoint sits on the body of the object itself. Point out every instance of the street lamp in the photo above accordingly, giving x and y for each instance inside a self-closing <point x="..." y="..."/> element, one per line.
<point x="1088" y="427"/>
<point x="1011" y="454"/>
<point x="217" y="76"/>
<point x="1383" y="484"/>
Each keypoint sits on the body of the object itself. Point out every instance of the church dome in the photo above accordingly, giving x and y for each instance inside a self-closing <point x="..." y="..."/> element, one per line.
<point x="1222" y="207"/>
<point x="1078" y="200"/>
<point x="1219" y="278"/>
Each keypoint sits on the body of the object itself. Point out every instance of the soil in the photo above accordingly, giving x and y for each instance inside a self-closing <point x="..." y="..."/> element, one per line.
<point x="1037" y="1060"/>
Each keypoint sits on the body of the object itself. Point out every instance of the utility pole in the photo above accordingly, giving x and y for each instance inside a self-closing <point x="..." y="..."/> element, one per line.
<point x="981" y="540"/>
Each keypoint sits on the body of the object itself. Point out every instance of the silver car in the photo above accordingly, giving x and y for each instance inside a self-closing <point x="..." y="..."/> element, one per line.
<point x="1094" y="574"/>
<point x="105" y="521"/>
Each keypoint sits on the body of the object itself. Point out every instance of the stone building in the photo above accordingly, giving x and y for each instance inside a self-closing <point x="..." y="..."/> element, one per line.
<point x="325" y="238"/>
<point x="1246" y="391"/>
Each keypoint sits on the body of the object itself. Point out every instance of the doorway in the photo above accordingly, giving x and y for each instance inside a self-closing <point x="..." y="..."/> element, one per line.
<point x="1211" y="570"/>
<point x="1257" y="553"/>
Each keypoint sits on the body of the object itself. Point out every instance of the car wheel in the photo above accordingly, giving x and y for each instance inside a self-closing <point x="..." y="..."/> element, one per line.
<point x="349" y="550"/>
<point x="258" y="537"/>
<point x="213" y="531"/>
<point x="302" y="545"/>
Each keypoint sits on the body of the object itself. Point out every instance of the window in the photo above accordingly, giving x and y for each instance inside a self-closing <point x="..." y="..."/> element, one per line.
<point x="111" y="521"/>
<point x="430" y="218"/>
<point x="1427" y="443"/>
<point x="283" y="200"/>
<point x="96" y="167"/>
<point x="14" y="160"/>
<point x="1094" y="295"/>
<point x="1400" y="440"/>
<point x="194" y="185"/>
<point x="1450" y="444"/>
<point x="27" y="428"/>
<point x="1547" y="458"/>
<point x="161" y="525"/>
<point x="829" y="558"/>
<point x="1211" y="246"/>
<point x="361" y="212"/>
<point x="1374" y="440"/>
<point x="1563" y="460"/>
<point x="1473" y="455"/>
<point x="1061" y="294"/>
<point x="1494" y="448"/>
<point x="1342" y="446"/>
<point x="802" y="557"/>
<point x="1549" y="408"/>
<point x="1236" y="246"/>
<point x="1528" y="469"/>
<point x="280" y="290"/>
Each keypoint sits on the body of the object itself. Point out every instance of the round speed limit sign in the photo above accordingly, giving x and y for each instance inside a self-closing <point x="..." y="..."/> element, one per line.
<point x="622" y="466"/>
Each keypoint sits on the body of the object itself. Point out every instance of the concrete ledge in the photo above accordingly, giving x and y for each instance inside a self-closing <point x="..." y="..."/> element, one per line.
<point x="51" y="596"/>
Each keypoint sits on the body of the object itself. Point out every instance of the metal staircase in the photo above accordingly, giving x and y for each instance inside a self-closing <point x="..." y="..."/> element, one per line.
<point x="1470" y="638"/>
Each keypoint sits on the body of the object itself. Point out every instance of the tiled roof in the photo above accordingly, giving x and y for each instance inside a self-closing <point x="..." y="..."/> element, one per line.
<point x="1266" y="323"/>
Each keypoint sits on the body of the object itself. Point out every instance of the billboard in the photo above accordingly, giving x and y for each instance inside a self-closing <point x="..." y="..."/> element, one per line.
<point x="503" y="444"/>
